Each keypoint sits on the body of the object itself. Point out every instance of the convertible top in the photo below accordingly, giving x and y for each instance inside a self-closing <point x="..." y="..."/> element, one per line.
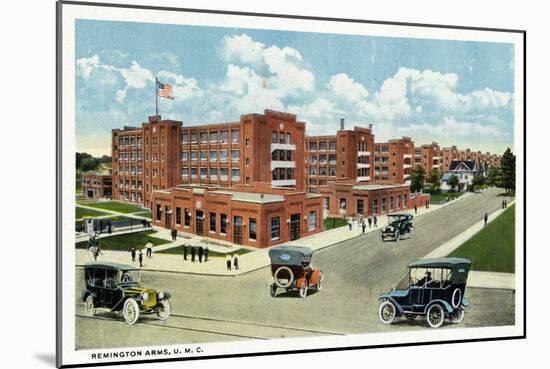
<point x="290" y="255"/>
<point x="451" y="263"/>
<point x="401" y="215"/>
<point x="109" y="265"/>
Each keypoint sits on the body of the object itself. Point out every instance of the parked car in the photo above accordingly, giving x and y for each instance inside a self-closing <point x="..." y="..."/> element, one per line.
<point x="433" y="288"/>
<point x="291" y="269"/>
<point x="398" y="226"/>
<point x="116" y="288"/>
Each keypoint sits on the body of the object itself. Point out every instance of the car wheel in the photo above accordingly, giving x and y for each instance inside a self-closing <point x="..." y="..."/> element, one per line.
<point x="387" y="312"/>
<point x="165" y="309"/>
<point x="457" y="298"/>
<point x="410" y="316"/>
<point x="435" y="316"/>
<point x="457" y="316"/>
<point x="411" y="232"/>
<point x="272" y="290"/>
<point x="303" y="289"/>
<point x="89" y="306"/>
<point x="320" y="283"/>
<point x="397" y="235"/>
<point x="381" y="236"/>
<point x="290" y="277"/>
<point x="130" y="311"/>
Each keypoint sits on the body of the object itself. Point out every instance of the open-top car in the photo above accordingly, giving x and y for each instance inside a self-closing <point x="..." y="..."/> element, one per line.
<point x="291" y="269"/>
<point x="398" y="226"/>
<point x="433" y="288"/>
<point x="116" y="288"/>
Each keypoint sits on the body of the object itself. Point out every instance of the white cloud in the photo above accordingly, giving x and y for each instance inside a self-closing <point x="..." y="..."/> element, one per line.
<point x="136" y="76"/>
<point x="320" y="108"/>
<point x="86" y="65"/>
<point x="452" y="128"/>
<point x="344" y="86"/>
<point x="242" y="48"/>
<point x="289" y="77"/>
<point x="120" y="95"/>
<point x="183" y="87"/>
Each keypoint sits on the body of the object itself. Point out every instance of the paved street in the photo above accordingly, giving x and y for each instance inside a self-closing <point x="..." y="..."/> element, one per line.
<point x="217" y="308"/>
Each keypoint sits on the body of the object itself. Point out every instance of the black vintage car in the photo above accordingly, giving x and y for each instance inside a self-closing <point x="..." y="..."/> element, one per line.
<point x="433" y="288"/>
<point x="116" y="288"/>
<point x="398" y="226"/>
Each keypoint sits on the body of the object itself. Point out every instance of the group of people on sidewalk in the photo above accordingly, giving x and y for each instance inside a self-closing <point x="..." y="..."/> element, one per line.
<point x="232" y="259"/>
<point x="196" y="253"/>
<point x="139" y="253"/>
<point x="362" y="224"/>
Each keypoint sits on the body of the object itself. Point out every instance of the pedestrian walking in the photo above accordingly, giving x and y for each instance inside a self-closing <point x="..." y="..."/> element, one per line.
<point x="206" y="251"/>
<point x="375" y="221"/>
<point x="415" y="209"/>
<point x="370" y="222"/>
<point x="185" y="250"/>
<point x="140" y="257"/>
<point x="192" y="254"/>
<point x="350" y="224"/>
<point x="149" y="249"/>
<point x="485" y="218"/>
<point x="363" y="226"/>
<point x="201" y="252"/>
<point x="96" y="253"/>
<point x="175" y="234"/>
<point x="133" y="252"/>
<point x="228" y="261"/>
<point x="236" y="262"/>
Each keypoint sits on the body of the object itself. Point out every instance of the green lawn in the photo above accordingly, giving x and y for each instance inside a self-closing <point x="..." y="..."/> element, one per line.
<point x="493" y="248"/>
<point x="440" y="197"/>
<point x="125" y="242"/>
<point x="88" y="213"/>
<point x="331" y="223"/>
<point x="145" y="214"/>
<point x="117" y="206"/>
<point x="179" y="251"/>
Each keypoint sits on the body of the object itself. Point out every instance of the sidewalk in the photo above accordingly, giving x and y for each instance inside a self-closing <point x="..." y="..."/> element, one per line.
<point x="476" y="278"/>
<point x="248" y="262"/>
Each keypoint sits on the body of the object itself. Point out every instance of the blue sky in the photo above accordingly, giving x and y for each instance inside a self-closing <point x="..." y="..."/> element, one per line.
<point x="452" y="92"/>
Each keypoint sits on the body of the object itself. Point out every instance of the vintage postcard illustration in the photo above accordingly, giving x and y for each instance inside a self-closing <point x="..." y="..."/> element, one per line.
<point x="236" y="183"/>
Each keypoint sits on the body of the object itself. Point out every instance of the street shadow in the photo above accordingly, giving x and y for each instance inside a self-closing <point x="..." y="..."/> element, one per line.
<point x="295" y="294"/>
<point x="419" y="321"/>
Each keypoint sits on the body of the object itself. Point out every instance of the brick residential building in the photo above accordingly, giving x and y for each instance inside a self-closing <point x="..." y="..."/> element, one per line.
<point x="430" y="157"/>
<point x="393" y="161"/>
<point x="97" y="185"/>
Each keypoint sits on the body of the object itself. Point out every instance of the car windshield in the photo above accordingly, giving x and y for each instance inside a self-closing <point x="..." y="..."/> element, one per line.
<point x="129" y="276"/>
<point x="430" y="277"/>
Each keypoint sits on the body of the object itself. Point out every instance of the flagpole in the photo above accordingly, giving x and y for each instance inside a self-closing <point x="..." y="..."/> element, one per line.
<point x="156" y="96"/>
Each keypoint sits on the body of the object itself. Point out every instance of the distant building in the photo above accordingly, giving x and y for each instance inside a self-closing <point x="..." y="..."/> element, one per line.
<point x="97" y="185"/>
<point x="463" y="170"/>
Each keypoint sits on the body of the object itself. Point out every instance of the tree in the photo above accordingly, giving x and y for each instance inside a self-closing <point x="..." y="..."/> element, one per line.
<point x="417" y="179"/>
<point x="477" y="181"/>
<point x="453" y="182"/>
<point x="434" y="178"/>
<point x="80" y="156"/>
<point x="493" y="176"/>
<point x="508" y="171"/>
<point x="88" y="164"/>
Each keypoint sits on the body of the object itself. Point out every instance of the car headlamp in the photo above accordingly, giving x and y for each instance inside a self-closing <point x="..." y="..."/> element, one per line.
<point x="145" y="296"/>
<point x="161" y="295"/>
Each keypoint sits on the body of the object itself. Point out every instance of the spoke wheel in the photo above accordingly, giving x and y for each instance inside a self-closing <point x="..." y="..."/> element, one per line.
<point x="435" y="316"/>
<point x="457" y="316"/>
<point x="303" y="289"/>
<point x="387" y="312"/>
<point x="164" y="312"/>
<point x="89" y="307"/>
<point x="130" y="311"/>
<point x="397" y="235"/>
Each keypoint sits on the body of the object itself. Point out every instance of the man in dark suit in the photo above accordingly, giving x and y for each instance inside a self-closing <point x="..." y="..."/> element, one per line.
<point x="201" y="251"/>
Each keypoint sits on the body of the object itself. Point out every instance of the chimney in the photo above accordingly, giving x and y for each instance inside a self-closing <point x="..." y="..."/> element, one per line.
<point x="341" y="124"/>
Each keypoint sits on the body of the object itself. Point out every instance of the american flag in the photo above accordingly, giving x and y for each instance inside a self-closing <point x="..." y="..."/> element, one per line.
<point x="164" y="90"/>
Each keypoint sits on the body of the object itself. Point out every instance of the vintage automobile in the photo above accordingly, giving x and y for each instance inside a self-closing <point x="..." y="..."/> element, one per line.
<point x="116" y="288"/>
<point x="433" y="288"/>
<point x="291" y="269"/>
<point x="398" y="226"/>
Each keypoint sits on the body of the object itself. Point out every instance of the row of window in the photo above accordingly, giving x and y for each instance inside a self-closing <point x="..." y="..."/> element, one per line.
<point x="282" y="174"/>
<point x="323" y="158"/>
<point x="210" y="155"/>
<point x="281" y="137"/>
<point x="129" y="140"/>
<point x="399" y="200"/>
<point x="212" y="137"/>
<point x="330" y="145"/>
<point x="213" y="172"/>
<point x="281" y="155"/>
<point x="323" y="171"/>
